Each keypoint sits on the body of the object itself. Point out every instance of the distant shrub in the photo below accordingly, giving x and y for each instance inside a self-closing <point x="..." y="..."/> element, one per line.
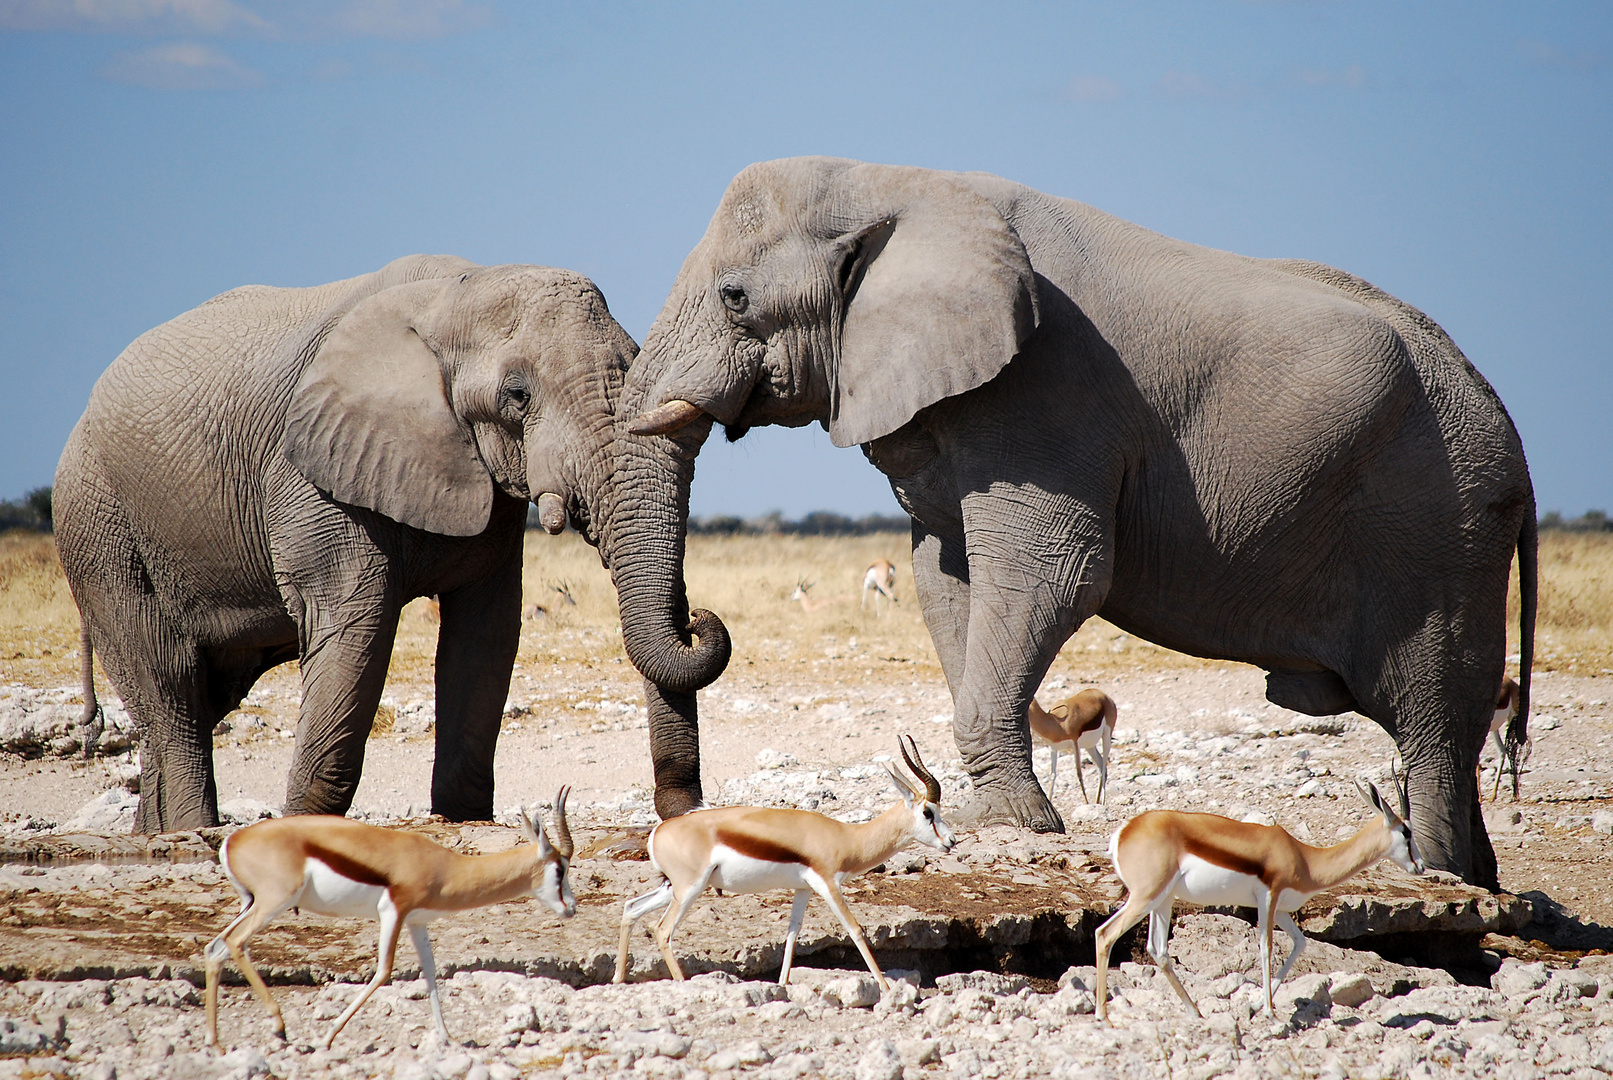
<point x="817" y="523"/>
<point x="31" y="512"/>
<point x="1590" y="521"/>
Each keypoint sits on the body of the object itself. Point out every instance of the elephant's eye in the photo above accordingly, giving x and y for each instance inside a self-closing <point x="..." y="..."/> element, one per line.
<point x="518" y="397"/>
<point x="734" y="299"/>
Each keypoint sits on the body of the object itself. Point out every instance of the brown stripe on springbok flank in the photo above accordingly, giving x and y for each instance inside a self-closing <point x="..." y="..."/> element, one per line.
<point x="348" y="868"/>
<point x="1226" y="860"/>
<point x="754" y="847"/>
<point x="1092" y="724"/>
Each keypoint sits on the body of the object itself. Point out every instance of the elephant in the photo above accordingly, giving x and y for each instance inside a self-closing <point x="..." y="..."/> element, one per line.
<point x="274" y="474"/>
<point x="1266" y="461"/>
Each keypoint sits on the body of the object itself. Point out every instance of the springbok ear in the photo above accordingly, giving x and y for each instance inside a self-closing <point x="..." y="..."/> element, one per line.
<point x="1370" y="793"/>
<point x="370" y="422"/>
<point x="939" y="296"/>
<point x="903" y="787"/>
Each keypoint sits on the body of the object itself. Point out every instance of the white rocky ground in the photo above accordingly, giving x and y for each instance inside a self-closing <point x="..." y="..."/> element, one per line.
<point x="833" y="1023"/>
<point x="1202" y="740"/>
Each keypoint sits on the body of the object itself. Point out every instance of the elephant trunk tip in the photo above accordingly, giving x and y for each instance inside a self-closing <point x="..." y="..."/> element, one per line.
<point x="674" y="666"/>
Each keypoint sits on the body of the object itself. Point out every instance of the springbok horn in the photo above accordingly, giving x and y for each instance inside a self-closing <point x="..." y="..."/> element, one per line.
<point x="932" y="786"/>
<point x="666" y="419"/>
<point x="562" y="831"/>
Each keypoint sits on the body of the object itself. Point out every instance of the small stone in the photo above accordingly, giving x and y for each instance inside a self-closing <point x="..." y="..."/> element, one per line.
<point x="1350" y="990"/>
<point x="1602" y="822"/>
<point x="1516" y="979"/>
<point x="880" y="1061"/>
<point x="900" y="998"/>
<point x="18" y="1037"/>
<point x="453" y="1066"/>
<point x="855" y="992"/>
<point x="916" y="1052"/>
<point x="988" y="981"/>
<point x="244" y="1064"/>
<point x="1082" y="978"/>
<point x="658" y="1043"/>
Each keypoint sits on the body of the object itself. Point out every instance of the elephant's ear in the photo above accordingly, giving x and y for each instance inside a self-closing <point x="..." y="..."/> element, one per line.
<point x="371" y="425"/>
<point x="940" y="295"/>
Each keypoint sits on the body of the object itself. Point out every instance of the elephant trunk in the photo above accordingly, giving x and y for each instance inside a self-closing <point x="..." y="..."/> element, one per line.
<point x="645" y="549"/>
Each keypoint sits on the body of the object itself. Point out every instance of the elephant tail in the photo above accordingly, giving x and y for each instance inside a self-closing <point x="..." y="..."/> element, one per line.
<point x="1517" y="737"/>
<point x="90" y="724"/>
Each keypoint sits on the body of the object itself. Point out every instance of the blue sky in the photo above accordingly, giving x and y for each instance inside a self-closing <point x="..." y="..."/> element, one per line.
<point x="158" y="152"/>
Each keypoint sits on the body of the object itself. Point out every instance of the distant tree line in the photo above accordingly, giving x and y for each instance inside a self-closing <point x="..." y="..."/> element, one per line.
<point x="1589" y="521"/>
<point x="31" y="512"/>
<point x="817" y="523"/>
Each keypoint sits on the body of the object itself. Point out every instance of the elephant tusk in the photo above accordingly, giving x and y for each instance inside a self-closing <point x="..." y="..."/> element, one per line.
<point x="667" y="418"/>
<point x="552" y="513"/>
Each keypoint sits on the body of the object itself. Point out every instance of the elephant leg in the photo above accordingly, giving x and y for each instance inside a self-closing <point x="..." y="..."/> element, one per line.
<point x="1439" y="721"/>
<point x="152" y="662"/>
<point x="346" y="621"/>
<point x="178" y="790"/>
<point x="941" y="578"/>
<point x="1031" y="585"/>
<point x="481" y="630"/>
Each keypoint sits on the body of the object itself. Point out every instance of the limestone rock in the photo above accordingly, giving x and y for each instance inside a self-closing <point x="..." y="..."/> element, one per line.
<point x="1350" y="989"/>
<point x="111" y="811"/>
<point x="1516" y="979"/>
<point x="880" y="1061"/>
<point x="19" y="1037"/>
<point x="988" y="981"/>
<point x="852" y="992"/>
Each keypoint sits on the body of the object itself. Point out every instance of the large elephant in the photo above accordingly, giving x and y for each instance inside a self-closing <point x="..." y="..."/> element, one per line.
<point x="274" y="474"/>
<point x="1256" y="460"/>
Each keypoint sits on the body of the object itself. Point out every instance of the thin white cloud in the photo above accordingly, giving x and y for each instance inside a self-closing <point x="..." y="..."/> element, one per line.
<point x="1092" y="88"/>
<point x="182" y="65"/>
<point x="1547" y="55"/>
<point x="210" y="17"/>
<point x="1191" y="86"/>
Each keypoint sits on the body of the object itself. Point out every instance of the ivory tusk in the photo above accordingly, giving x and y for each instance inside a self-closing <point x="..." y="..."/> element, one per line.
<point x="552" y="513"/>
<point x="666" y="419"/>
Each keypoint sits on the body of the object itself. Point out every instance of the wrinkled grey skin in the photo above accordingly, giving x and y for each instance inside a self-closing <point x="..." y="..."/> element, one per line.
<point x="274" y="474"/>
<point x="1264" y="461"/>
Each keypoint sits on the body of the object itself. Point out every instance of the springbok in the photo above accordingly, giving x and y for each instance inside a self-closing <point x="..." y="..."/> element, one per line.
<point x="750" y="849"/>
<point x="1506" y="707"/>
<point x="881" y="578"/>
<point x="336" y="866"/>
<point x="802" y="587"/>
<point x="1083" y="721"/>
<point x="1168" y="855"/>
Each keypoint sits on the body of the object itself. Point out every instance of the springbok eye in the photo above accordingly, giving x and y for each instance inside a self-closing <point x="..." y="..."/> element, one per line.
<point x="734" y="299"/>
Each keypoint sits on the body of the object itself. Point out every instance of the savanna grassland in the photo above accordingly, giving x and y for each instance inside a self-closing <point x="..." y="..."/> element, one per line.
<point x="748" y="580"/>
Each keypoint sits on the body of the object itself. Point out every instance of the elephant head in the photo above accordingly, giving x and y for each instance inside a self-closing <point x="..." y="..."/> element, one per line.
<point x="426" y="393"/>
<point x="832" y="290"/>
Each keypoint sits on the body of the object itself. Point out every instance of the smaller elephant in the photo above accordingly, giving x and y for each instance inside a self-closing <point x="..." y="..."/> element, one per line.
<point x="274" y="474"/>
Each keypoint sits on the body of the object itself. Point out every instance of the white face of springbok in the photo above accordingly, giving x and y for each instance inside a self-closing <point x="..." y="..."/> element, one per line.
<point x="929" y="828"/>
<point x="1402" y="845"/>
<point x="552" y="883"/>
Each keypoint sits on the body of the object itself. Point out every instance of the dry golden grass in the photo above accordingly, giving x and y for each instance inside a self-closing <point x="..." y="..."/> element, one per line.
<point x="748" y="581"/>
<point x="1574" y="631"/>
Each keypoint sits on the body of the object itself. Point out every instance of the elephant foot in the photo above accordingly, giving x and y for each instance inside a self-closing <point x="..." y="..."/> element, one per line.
<point x="1026" y="808"/>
